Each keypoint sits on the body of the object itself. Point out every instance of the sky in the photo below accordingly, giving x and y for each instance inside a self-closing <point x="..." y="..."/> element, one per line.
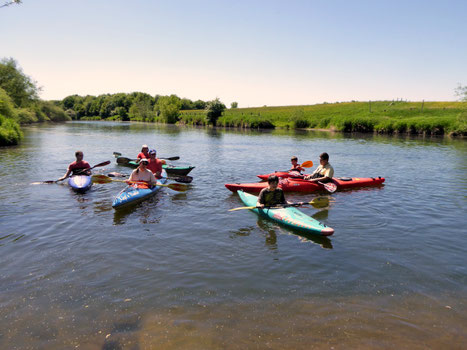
<point x="255" y="52"/>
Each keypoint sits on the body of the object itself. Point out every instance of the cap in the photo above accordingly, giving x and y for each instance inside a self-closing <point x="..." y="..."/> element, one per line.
<point x="144" y="160"/>
<point x="153" y="151"/>
<point x="144" y="146"/>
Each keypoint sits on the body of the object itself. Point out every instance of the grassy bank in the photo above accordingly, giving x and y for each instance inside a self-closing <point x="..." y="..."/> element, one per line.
<point x="435" y="118"/>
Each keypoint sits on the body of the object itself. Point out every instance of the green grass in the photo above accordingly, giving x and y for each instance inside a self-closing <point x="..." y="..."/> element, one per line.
<point x="385" y="117"/>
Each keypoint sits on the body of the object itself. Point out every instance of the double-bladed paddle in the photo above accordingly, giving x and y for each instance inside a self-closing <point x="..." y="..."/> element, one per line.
<point x="306" y="164"/>
<point x="125" y="160"/>
<point x="320" y="202"/>
<point x="107" y="162"/>
<point x="102" y="179"/>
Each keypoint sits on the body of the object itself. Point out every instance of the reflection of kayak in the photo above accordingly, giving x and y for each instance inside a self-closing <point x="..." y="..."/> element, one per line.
<point x="136" y="193"/>
<point x="80" y="183"/>
<point x="291" y="217"/>
<point x="170" y="169"/>
<point x="300" y="185"/>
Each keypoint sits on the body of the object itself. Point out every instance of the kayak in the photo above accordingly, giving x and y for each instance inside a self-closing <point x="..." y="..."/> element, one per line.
<point x="80" y="183"/>
<point x="170" y="169"/>
<point x="136" y="193"/>
<point x="290" y="217"/>
<point x="300" y="185"/>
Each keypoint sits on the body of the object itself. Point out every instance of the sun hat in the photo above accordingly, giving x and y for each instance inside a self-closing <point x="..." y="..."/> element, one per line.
<point x="144" y="146"/>
<point x="144" y="160"/>
<point x="153" y="151"/>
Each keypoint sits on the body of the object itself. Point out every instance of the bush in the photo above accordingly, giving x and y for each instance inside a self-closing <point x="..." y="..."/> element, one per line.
<point x="10" y="133"/>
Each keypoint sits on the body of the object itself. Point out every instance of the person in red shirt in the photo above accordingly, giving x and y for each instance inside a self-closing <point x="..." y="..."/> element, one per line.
<point x="79" y="166"/>
<point x="295" y="166"/>
<point x="144" y="153"/>
<point x="155" y="165"/>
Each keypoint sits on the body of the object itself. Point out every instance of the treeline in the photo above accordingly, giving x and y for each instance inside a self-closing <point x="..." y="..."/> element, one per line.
<point x="20" y="104"/>
<point x="135" y="106"/>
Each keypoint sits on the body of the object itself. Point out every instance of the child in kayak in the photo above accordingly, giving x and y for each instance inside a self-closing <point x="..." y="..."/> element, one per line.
<point x="144" y="153"/>
<point x="77" y="167"/>
<point x="143" y="174"/>
<point x="155" y="165"/>
<point x="271" y="195"/>
<point x="324" y="172"/>
<point x="295" y="166"/>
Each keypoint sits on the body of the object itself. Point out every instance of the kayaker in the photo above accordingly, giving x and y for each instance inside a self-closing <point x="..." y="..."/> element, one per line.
<point x="144" y="153"/>
<point x="271" y="195"/>
<point x="142" y="173"/>
<point x="77" y="167"/>
<point x="324" y="172"/>
<point x="295" y="166"/>
<point x="155" y="165"/>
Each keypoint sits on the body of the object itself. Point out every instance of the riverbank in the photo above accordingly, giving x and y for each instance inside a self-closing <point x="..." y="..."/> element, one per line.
<point x="387" y="117"/>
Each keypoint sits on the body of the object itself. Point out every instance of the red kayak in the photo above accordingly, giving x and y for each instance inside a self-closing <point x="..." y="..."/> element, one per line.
<point x="300" y="185"/>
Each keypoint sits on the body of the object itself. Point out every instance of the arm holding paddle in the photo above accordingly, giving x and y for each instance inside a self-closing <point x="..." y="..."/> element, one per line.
<point x="78" y="165"/>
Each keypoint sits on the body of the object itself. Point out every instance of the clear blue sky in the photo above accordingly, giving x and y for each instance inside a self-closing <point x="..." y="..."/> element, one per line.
<point x="253" y="52"/>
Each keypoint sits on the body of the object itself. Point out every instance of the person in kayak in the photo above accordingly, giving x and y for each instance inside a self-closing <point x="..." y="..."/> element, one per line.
<point x="324" y="172"/>
<point x="77" y="167"/>
<point x="295" y="166"/>
<point x="143" y="154"/>
<point x="142" y="173"/>
<point x="271" y="195"/>
<point x="155" y="165"/>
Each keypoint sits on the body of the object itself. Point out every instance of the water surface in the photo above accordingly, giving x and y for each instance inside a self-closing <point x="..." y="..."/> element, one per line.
<point x="181" y="271"/>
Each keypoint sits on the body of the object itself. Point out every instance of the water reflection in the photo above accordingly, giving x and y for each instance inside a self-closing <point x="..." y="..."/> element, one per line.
<point x="146" y="212"/>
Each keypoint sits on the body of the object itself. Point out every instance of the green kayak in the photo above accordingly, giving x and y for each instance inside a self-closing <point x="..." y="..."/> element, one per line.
<point x="291" y="217"/>
<point x="170" y="169"/>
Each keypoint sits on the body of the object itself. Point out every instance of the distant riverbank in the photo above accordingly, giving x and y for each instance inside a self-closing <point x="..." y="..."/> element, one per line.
<point x="388" y="117"/>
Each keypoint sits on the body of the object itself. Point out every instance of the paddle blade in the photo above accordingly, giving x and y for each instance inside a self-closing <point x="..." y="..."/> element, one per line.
<point x="307" y="164"/>
<point x="123" y="160"/>
<point x="107" y="162"/>
<point x="330" y="187"/>
<point x="100" y="179"/>
<point x="171" y="158"/>
<point x="320" y="202"/>
<point x="183" y="179"/>
<point x="178" y="187"/>
<point x="117" y="154"/>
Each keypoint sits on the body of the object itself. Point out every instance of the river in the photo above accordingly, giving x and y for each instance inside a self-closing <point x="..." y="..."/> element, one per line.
<point x="181" y="271"/>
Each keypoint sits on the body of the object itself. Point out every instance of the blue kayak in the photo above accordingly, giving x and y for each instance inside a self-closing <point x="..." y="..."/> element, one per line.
<point x="132" y="194"/>
<point x="290" y="216"/>
<point x="80" y="183"/>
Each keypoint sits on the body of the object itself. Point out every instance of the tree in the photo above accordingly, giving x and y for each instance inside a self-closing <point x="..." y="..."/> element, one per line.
<point x="214" y="110"/>
<point x="11" y="3"/>
<point x="21" y="88"/>
<point x="234" y="105"/>
<point x="169" y="108"/>
<point x="461" y="92"/>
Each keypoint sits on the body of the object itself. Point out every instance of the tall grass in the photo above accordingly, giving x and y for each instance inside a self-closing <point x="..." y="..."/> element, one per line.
<point x="385" y="117"/>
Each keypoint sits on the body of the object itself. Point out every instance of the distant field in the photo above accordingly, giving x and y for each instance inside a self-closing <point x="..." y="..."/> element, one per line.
<point x="382" y="116"/>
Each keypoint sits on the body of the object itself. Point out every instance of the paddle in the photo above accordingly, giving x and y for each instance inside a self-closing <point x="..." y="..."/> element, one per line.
<point x="320" y="202"/>
<point x="102" y="179"/>
<point x="306" y="164"/>
<point x="107" y="162"/>
<point x="330" y="187"/>
<point x="124" y="160"/>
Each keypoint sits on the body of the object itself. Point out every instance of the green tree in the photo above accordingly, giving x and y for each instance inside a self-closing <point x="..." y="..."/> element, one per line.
<point x="21" y="88"/>
<point x="214" y="110"/>
<point x="169" y="108"/>
<point x="142" y="107"/>
<point x="234" y="105"/>
<point x="199" y="104"/>
<point x="461" y="92"/>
